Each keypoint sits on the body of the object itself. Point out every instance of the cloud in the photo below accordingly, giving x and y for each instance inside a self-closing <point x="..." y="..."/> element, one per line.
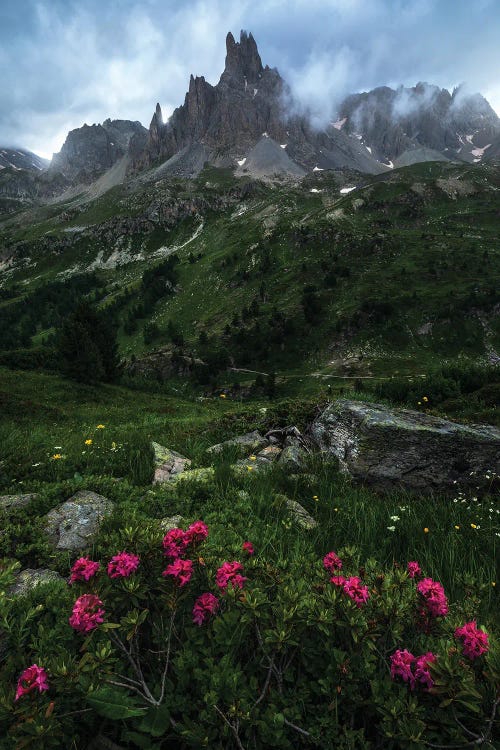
<point x="65" y="62"/>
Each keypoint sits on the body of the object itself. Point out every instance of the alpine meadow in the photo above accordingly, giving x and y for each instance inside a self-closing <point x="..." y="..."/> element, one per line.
<point x="249" y="384"/>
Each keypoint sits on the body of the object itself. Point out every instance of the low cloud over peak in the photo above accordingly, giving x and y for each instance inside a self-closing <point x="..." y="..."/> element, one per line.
<point x="65" y="63"/>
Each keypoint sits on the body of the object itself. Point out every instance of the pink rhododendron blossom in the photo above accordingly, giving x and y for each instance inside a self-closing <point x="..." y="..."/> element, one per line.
<point x="475" y="641"/>
<point x="33" y="678"/>
<point x="182" y="570"/>
<point x="122" y="565"/>
<point x="197" y="532"/>
<point x="229" y="573"/>
<point x="87" y="613"/>
<point x="414" y="569"/>
<point x="338" y="580"/>
<point x="332" y="562"/>
<point x="422" y="673"/>
<point x="175" y="543"/>
<point x="206" y="605"/>
<point x="356" y="591"/>
<point x="248" y="548"/>
<point x="83" y="570"/>
<point x="401" y="664"/>
<point x="435" y="603"/>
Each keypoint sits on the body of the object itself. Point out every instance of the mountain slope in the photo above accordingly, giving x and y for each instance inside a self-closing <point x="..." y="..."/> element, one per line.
<point x="21" y="159"/>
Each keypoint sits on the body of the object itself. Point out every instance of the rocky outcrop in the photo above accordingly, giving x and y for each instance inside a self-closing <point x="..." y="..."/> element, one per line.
<point x="391" y="448"/>
<point x="168" y="463"/>
<point x="30" y="578"/>
<point x="250" y="441"/>
<point x="424" y="120"/>
<point x="228" y="121"/>
<point x="14" y="502"/>
<point x="75" y="524"/>
<point x="92" y="149"/>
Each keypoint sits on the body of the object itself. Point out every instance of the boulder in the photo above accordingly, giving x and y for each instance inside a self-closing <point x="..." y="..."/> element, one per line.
<point x="251" y="441"/>
<point x="293" y="456"/>
<point x="168" y="463"/>
<point x="75" y="524"/>
<point x="13" y="502"/>
<point x="268" y="455"/>
<point x="297" y="512"/>
<point x="391" y="448"/>
<point x="28" y="579"/>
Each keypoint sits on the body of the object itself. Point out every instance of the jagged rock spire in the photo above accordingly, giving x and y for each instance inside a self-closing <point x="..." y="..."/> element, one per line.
<point x="242" y="58"/>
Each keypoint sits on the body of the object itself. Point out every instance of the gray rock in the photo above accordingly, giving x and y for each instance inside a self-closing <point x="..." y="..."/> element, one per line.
<point x="28" y="579"/>
<point x="75" y="524"/>
<point x="173" y="522"/>
<point x="401" y="448"/>
<point x="12" y="502"/>
<point x="293" y="456"/>
<point x="250" y="441"/>
<point x="168" y="463"/>
<point x="268" y="455"/>
<point x="300" y="515"/>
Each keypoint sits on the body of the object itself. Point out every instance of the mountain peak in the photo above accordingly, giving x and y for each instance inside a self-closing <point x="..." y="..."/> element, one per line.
<point x="242" y="58"/>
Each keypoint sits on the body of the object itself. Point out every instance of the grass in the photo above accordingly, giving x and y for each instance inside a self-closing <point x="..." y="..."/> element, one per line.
<point x="54" y="417"/>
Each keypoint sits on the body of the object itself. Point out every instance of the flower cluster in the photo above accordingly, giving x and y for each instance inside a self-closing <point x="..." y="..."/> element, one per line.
<point x="248" y="548"/>
<point x="176" y="541"/>
<point x="33" y="678"/>
<point x="474" y="640"/>
<point x="87" y="613"/>
<point x="83" y="570"/>
<point x="122" y="565"/>
<point x="230" y="573"/>
<point x="332" y="562"/>
<point x="181" y="570"/>
<point x="434" y="602"/>
<point x="353" y="587"/>
<point x="414" y="569"/>
<point x="402" y="663"/>
<point x="205" y="605"/>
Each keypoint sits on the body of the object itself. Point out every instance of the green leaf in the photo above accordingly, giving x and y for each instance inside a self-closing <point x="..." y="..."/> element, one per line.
<point x="156" y="721"/>
<point x="114" y="704"/>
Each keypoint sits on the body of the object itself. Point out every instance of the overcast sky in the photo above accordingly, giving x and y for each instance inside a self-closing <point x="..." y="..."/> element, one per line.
<point x="66" y="62"/>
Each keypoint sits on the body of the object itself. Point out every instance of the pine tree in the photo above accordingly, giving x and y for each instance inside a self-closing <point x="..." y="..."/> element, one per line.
<point x="87" y="348"/>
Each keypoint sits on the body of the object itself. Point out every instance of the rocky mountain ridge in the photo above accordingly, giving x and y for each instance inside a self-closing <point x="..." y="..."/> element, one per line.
<point x="249" y="122"/>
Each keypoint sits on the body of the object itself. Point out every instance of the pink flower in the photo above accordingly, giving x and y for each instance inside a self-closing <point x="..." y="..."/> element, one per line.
<point x="197" y="532"/>
<point x="401" y="663"/>
<point x="204" y="606"/>
<point x="83" y="569"/>
<point x="248" y="548"/>
<point x="229" y="572"/>
<point x="356" y="591"/>
<point x="175" y="543"/>
<point x="414" y="569"/>
<point x="122" y="565"/>
<point x="434" y="599"/>
<point x="87" y="613"/>
<point x="182" y="570"/>
<point x="332" y="562"/>
<point x="32" y="678"/>
<point x="475" y="641"/>
<point x="422" y="673"/>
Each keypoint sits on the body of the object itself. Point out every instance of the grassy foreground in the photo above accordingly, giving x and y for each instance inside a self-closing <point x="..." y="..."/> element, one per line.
<point x="57" y="438"/>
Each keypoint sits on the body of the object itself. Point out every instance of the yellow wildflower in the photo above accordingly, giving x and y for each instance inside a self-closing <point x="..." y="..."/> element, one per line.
<point x="100" y="427"/>
<point x="426" y="530"/>
<point x="493" y="583"/>
<point x="250" y="468"/>
<point x="457" y="527"/>
<point x="88" y="442"/>
<point x="222" y="395"/>
<point x="420" y="403"/>
<point x="253" y="458"/>
<point x="425" y="398"/>
<point x="473" y="526"/>
<point x="56" y="456"/>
